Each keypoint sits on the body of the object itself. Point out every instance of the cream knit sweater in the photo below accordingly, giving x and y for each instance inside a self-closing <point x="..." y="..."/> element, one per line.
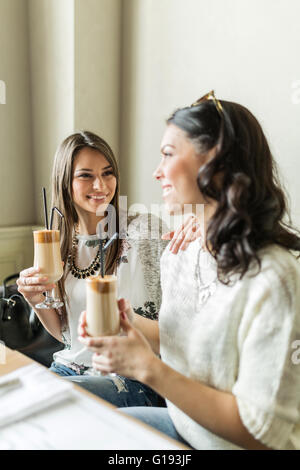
<point x="238" y="339"/>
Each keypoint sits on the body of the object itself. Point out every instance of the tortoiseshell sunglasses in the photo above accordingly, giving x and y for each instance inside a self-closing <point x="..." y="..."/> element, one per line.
<point x="210" y="96"/>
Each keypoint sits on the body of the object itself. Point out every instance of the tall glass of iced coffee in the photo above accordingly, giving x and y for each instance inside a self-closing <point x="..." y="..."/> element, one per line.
<point x="47" y="257"/>
<point x="102" y="313"/>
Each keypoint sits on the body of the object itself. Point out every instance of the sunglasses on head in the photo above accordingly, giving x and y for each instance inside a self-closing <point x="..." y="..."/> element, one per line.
<point x="210" y="96"/>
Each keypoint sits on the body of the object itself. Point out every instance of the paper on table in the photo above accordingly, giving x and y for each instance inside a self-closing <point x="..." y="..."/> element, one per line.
<point x="40" y="389"/>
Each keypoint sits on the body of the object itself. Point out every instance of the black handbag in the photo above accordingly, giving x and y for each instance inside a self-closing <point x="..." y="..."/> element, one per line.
<point x="17" y="320"/>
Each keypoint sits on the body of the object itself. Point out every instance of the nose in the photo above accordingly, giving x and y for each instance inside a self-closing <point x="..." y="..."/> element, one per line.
<point x="158" y="172"/>
<point x="98" y="183"/>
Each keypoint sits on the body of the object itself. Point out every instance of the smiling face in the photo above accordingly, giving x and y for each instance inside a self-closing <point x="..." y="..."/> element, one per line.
<point x="178" y="170"/>
<point x="93" y="182"/>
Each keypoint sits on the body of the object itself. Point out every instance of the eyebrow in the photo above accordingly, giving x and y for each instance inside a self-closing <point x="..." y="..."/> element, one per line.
<point x="89" y="169"/>
<point x="167" y="145"/>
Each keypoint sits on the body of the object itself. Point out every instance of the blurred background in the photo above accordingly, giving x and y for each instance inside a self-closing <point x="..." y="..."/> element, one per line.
<point x="119" y="68"/>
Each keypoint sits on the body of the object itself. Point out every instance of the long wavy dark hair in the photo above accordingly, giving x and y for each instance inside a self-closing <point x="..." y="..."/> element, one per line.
<point x="252" y="210"/>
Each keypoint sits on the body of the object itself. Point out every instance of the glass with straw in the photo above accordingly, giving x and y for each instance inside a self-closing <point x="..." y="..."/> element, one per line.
<point x="102" y="313"/>
<point x="47" y="256"/>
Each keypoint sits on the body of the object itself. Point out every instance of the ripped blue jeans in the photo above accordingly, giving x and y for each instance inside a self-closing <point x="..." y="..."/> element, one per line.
<point x="117" y="390"/>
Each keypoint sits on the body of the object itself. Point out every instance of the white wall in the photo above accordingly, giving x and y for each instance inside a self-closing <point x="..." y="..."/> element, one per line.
<point x="75" y="76"/>
<point x="60" y="70"/>
<point x="120" y="67"/>
<point x="176" y="51"/>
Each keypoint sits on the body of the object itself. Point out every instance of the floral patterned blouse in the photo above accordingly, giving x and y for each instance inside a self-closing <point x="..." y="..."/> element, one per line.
<point x="138" y="274"/>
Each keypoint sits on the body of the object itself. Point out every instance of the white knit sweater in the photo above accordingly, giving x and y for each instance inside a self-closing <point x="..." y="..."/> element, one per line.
<point x="237" y="339"/>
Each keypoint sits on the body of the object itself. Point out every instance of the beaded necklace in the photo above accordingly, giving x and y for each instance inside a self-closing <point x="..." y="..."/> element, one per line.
<point x="82" y="273"/>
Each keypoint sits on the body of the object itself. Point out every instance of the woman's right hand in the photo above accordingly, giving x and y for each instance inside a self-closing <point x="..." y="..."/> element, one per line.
<point x="124" y="306"/>
<point x="31" y="285"/>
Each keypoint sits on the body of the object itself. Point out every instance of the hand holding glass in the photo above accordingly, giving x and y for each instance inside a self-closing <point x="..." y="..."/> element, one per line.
<point x="102" y="313"/>
<point x="47" y="257"/>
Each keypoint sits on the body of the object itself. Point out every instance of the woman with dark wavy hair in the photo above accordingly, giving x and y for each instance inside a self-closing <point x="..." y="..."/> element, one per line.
<point x="230" y="314"/>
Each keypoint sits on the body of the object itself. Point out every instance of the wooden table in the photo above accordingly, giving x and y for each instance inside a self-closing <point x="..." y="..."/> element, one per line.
<point x="57" y="418"/>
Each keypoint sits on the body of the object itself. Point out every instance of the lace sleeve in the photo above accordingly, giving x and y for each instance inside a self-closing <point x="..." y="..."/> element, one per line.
<point x="145" y="247"/>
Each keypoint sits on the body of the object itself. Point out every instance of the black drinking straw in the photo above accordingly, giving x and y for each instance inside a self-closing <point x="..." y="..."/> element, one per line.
<point x="52" y="214"/>
<point x="101" y="250"/>
<point x="45" y="209"/>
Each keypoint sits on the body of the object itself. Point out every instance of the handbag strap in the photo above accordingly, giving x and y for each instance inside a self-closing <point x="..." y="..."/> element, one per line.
<point x="8" y="279"/>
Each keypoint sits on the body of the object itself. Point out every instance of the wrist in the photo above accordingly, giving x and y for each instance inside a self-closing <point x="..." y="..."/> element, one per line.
<point x="36" y="301"/>
<point x="151" y="371"/>
<point x="134" y="320"/>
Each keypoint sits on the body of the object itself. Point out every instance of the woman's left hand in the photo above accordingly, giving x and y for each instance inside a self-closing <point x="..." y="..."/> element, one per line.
<point x="186" y="233"/>
<point x="129" y="356"/>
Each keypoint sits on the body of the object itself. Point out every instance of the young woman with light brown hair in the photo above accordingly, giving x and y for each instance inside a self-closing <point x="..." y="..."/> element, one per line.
<point x="85" y="185"/>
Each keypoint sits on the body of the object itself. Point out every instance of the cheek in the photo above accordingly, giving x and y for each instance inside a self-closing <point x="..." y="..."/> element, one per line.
<point x="181" y="176"/>
<point x="173" y="171"/>
<point x="77" y="188"/>
<point x="186" y="185"/>
<point x="112" y="185"/>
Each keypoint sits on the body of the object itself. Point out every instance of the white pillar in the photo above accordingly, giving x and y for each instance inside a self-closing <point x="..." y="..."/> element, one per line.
<point x="16" y="186"/>
<point x="98" y="68"/>
<point x="51" y="24"/>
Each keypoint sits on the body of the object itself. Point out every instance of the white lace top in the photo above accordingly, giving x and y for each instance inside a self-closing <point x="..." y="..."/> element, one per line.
<point x="138" y="277"/>
<point x="238" y="339"/>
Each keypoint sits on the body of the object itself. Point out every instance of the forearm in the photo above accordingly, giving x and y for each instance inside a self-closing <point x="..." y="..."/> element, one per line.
<point x="32" y="284"/>
<point x="51" y="321"/>
<point x="213" y="409"/>
<point x="149" y="328"/>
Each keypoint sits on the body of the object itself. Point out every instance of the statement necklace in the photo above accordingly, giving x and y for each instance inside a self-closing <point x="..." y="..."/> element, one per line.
<point x="82" y="273"/>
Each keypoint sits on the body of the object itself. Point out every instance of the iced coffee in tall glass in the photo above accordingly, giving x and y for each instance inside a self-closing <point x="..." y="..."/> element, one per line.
<point x="102" y="313"/>
<point x="47" y="257"/>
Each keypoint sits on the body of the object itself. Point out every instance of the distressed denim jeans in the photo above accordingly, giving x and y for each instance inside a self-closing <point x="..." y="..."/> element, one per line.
<point x="117" y="390"/>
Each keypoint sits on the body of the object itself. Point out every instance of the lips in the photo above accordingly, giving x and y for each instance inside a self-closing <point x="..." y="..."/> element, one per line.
<point x="166" y="188"/>
<point x="99" y="197"/>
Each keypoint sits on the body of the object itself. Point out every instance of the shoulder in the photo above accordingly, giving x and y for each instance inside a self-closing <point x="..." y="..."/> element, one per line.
<point x="278" y="277"/>
<point x="142" y="239"/>
<point x="144" y="232"/>
<point x="145" y="226"/>
<point x="279" y="265"/>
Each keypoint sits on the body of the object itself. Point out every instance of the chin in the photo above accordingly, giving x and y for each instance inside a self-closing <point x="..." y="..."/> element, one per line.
<point x="100" y="211"/>
<point x="174" y="208"/>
